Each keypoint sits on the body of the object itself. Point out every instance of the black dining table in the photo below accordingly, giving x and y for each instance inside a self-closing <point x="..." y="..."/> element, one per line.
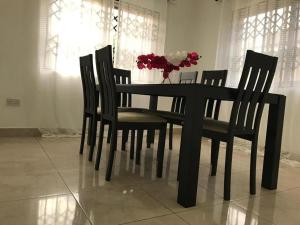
<point x="190" y="147"/>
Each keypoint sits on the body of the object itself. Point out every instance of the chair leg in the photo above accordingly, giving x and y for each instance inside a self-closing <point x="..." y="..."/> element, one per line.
<point x="215" y="145"/>
<point x="140" y="137"/>
<point x="90" y="130"/>
<point x="160" y="151"/>
<point x="94" y="132"/>
<point x="171" y="136"/>
<point x="124" y="139"/>
<point x="228" y="163"/>
<point x="82" y="134"/>
<point x="100" y="143"/>
<point x="112" y="150"/>
<point x="253" y="167"/>
<point x="127" y="136"/>
<point x="132" y="144"/>
<point x="139" y="145"/>
<point x="149" y="138"/>
<point x="108" y="134"/>
<point x="93" y="137"/>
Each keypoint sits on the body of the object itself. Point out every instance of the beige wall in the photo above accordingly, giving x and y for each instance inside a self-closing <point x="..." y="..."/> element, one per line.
<point x="18" y="61"/>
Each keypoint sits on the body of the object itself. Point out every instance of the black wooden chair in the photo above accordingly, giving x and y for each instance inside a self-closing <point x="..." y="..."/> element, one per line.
<point x="122" y="120"/>
<point x="124" y="103"/>
<point x="90" y="101"/>
<point x="178" y="103"/>
<point x="92" y="110"/>
<point x="175" y="116"/>
<point x="255" y="83"/>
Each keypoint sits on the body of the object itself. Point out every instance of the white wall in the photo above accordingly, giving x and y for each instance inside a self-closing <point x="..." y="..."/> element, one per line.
<point x="193" y="25"/>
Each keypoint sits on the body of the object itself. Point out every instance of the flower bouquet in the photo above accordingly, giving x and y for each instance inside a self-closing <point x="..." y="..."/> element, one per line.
<point x="167" y="63"/>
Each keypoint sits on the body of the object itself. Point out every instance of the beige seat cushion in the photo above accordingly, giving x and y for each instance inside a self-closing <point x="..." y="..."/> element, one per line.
<point x="126" y="109"/>
<point x="169" y="115"/>
<point x="215" y="125"/>
<point x="139" y="117"/>
<point x="132" y="109"/>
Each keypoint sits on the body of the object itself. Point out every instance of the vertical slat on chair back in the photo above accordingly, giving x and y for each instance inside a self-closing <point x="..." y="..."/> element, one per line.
<point x="255" y="83"/>
<point x="123" y="77"/>
<point x="88" y="84"/>
<point x="107" y="83"/>
<point x="214" y="78"/>
<point x="178" y="103"/>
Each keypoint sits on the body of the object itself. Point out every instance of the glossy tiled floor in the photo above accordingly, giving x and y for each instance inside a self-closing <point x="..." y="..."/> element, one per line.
<point x="46" y="181"/>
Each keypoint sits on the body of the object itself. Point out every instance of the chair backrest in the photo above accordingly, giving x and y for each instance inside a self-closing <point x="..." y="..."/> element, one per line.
<point x="255" y="83"/>
<point x="90" y="96"/>
<point x="178" y="103"/>
<point x="214" y="78"/>
<point x="123" y="77"/>
<point x="188" y="77"/>
<point x="107" y="83"/>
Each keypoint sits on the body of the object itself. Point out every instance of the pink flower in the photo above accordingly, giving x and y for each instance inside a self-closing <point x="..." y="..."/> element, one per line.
<point x="186" y="63"/>
<point x="193" y="56"/>
<point x="149" y="66"/>
<point x="150" y="56"/>
<point x="177" y="68"/>
<point x="140" y="65"/>
<point x="181" y="64"/>
<point x="151" y="61"/>
<point x="143" y="59"/>
<point x="194" y="62"/>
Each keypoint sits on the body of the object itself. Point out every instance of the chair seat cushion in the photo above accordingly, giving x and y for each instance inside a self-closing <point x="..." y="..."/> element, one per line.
<point x="139" y="117"/>
<point x="215" y="125"/>
<point x="126" y="109"/>
<point x="173" y="116"/>
<point x="132" y="109"/>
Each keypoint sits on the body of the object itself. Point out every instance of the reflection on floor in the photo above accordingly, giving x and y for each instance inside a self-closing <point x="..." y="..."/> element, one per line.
<point x="46" y="181"/>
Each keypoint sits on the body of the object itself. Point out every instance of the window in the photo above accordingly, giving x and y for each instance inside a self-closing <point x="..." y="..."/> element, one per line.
<point x="79" y="27"/>
<point x="271" y="28"/>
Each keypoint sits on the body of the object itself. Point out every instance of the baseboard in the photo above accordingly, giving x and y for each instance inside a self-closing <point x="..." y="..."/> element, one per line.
<point x="20" y="132"/>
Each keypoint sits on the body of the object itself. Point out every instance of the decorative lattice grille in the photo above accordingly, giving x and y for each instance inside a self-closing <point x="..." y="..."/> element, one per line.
<point x="271" y="28"/>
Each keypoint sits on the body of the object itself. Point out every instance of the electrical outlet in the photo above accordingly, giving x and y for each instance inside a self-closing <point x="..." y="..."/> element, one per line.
<point x="14" y="102"/>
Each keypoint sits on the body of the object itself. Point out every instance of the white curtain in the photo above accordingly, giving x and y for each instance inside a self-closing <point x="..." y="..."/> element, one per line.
<point x="73" y="28"/>
<point x="271" y="27"/>
<point x="140" y="30"/>
<point x="68" y="29"/>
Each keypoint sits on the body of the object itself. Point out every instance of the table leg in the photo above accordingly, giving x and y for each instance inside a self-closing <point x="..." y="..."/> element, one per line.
<point x="152" y="107"/>
<point x="190" y="152"/>
<point x="273" y="144"/>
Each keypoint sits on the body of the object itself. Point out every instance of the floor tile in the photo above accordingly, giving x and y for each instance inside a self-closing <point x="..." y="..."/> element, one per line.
<point x="280" y="208"/>
<point x="239" y="185"/>
<point x="34" y="171"/>
<point x="115" y="205"/>
<point x="222" y="214"/>
<point x="54" y="210"/>
<point x="166" y="193"/>
<point x="162" y="220"/>
<point x="26" y="186"/>
<point x="17" y="143"/>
